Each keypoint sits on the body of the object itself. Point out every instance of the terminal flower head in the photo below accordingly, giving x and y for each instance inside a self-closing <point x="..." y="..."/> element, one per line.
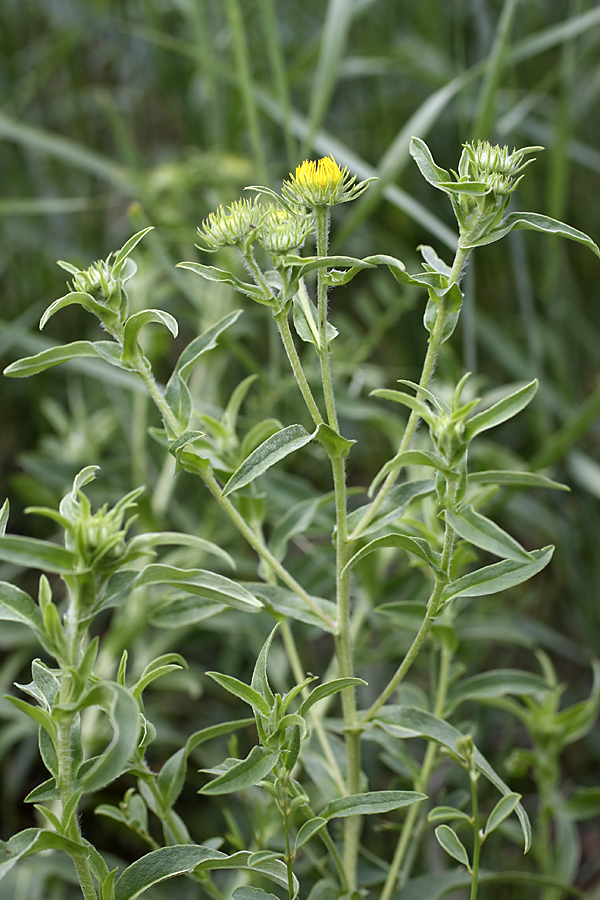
<point x="318" y="183"/>
<point x="225" y="227"/>
<point x="495" y="166"/>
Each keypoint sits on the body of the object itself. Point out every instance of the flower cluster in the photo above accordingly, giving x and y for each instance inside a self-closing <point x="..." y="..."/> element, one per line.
<point x="99" y="281"/>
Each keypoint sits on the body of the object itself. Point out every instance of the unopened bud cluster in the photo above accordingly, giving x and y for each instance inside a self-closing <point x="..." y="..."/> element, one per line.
<point x="499" y="171"/>
<point x="99" y="281"/>
<point x="281" y="231"/>
<point x="231" y="226"/>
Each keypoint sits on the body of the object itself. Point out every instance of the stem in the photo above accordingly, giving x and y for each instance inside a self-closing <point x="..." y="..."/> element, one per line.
<point x="292" y="354"/>
<point x="322" y="219"/>
<point x="352" y="825"/>
<point x="433" y="348"/>
<point x="410" y="828"/>
<point x="433" y="607"/>
<point x="476" y="834"/>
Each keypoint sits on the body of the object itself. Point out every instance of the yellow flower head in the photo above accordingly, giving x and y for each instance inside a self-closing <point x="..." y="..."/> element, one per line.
<point x="322" y="183"/>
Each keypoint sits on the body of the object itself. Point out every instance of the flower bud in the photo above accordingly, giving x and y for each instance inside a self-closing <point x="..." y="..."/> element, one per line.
<point x="224" y="228"/>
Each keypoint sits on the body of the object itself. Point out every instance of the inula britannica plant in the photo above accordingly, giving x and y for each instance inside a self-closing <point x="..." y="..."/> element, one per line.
<point x="356" y="780"/>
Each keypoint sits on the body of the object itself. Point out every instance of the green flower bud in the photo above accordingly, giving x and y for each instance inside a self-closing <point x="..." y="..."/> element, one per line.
<point x="280" y="231"/>
<point x="224" y="228"/>
<point x="99" y="281"/>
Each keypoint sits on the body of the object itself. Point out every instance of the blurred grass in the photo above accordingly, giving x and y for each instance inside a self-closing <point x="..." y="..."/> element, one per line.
<point x="119" y="114"/>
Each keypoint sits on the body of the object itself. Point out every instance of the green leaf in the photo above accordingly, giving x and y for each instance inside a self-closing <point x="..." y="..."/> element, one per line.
<point x="36" y="713"/>
<point x="450" y="842"/>
<point x="136" y="322"/>
<point x="53" y="356"/>
<point x="4" y="512"/>
<point x="104" y="313"/>
<point x="246" y="693"/>
<point x="371" y="803"/>
<point x="220" y="275"/>
<point x="244" y="774"/>
<point x="179" y="612"/>
<point x="505" y="409"/>
<point x="337" y="447"/>
<point x="252" y="893"/>
<point x="406" y="400"/>
<point x="145" y="542"/>
<point x="17" y="606"/>
<point x="516" y="479"/>
<point x="410" y="721"/>
<point x="124" y="717"/>
<point x="202" y="583"/>
<point x="503" y="808"/>
<point x="431" y="172"/>
<point x="408" y="614"/>
<point x="535" y="222"/>
<point x="162" y="665"/>
<point x="281" y="602"/>
<point x="409" y="458"/>
<point x="270" y="452"/>
<point x="497" y="577"/>
<point x="213" y="731"/>
<point x="159" y="865"/>
<point x="417" y="546"/>
<point x="129" y="246"/>
<point x="308" y="830"/>
<point x="496" y="683"/>
<point x="260" y="680"/>
<point x="325" y="690"/>
<point x="392" y="507"/>
<point x="584" y="803"/>
<point x="273" y="869"/>
<point x="177" y="394"/>
<point x="35" y="840"/>
<point x="482" y="532"/>
<point x="34" y="554"/>
<point x="447" y="814"/>
<point x="171" y="778"/>
<point x="306" y="321"/>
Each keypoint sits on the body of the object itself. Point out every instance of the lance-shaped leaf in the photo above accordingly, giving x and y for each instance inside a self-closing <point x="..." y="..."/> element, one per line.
<point x="431" y="172"/>
<point x="220" y="275"/>
<point x="417" y="546"/>
<point x="129" y="246"/>
<point x="246" y="693"/>
<point x="206" y="584"/>
<point x="54" y="356"/>
<point x="535" y="222"/>
<point x="327" y="689"/>
<point x="371" y="803"/>
<point x="177" y="392"/>
<point x="35" y="554"/>
<point x="451" y="843"/>
<point x="516" y="479"/>
<point x="17" y="606"/>
<point x="81" y="299"/>
<point x="482" y="532"/>
<point x="501" y="411"/>
<point x="498" y="577"/>
<point x="34" y="840"/>
<point x="159" y="865"/>
<point x="143" y="543"/>
<point x="124" y="716"/>
<point x="162" y="665"/>
<point x="213" y="731"/>
<point x="270" y="452"/>
<point x="496" y="683"/>
<point x="409" y="458"/>
<point x="252" y="893"/>
<point x="260" y="680"/>
<point x="306" y="322"/>
<point x="392" y="507"/>
<point x="243" y="774"/>
<point x="503" y="808"/>
<point x="406" y="400"/>
<point x="274" y="869"/>
<point x="281" y="602"/>
<point x="136" y="322"/>
<point x="410" y="721"/>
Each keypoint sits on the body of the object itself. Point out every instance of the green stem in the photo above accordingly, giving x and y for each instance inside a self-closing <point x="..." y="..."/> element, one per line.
<point x="433" y="608"/>
<point x="292" y="354"/>
<point x="352" y="825"/>
<point x="410" y="828"/>
<point x="433" y="348"/>
<point x="476" y="835"/>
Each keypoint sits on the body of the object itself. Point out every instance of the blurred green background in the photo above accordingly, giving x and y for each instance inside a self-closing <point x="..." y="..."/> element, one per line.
<point x="120" y="113"/>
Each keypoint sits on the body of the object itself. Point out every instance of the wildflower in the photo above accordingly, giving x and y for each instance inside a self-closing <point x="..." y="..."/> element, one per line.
<point x="224" y="228"/>
<point x="322" y="183"/>
<point x="281" y="231"/>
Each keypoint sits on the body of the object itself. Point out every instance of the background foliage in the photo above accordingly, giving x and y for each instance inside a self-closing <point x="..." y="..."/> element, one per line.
<point x="122" y="114"/>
